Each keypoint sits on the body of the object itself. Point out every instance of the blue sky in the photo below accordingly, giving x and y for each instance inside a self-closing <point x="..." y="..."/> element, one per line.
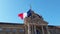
<point x="49" y="9"/>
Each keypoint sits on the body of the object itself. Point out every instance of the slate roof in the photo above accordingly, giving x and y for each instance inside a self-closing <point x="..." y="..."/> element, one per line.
<point x="11" y="23"/>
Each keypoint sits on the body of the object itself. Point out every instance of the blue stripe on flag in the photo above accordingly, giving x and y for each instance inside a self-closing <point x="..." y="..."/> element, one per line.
<point x="29" y="13"/>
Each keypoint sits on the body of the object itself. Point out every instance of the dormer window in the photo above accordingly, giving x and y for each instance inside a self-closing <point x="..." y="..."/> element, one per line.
<point x="34" y="16"/>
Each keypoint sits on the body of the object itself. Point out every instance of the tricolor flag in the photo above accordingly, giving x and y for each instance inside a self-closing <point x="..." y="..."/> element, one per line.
<point x="23" y="15"/>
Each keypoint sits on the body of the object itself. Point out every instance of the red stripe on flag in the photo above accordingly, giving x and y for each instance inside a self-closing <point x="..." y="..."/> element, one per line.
<point x="21" y="15"/>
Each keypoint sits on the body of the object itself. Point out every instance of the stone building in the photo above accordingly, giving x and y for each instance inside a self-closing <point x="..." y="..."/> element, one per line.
<point x="33" y="24"/>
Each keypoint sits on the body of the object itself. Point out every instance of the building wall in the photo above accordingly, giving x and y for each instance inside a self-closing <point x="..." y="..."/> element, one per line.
<point x="54" y="30"/>
<point x="23" y="29"/>
<point x="12" y="29"/>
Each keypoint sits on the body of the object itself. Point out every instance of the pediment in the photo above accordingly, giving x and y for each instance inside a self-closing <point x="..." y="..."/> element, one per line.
<point x="35" y="18"/>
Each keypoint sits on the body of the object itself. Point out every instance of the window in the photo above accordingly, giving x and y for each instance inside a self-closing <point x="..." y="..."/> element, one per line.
<point x="7" y="29"/>
<point x="21" y="30"/>
<point x="1" y="29"/>
<point x="14" y="30"/>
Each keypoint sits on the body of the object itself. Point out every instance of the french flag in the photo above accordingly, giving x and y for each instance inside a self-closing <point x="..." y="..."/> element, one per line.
<point x="23" y="15"/>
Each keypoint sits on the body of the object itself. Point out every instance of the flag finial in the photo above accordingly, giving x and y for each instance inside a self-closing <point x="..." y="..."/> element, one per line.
<point x="30" y="6"/>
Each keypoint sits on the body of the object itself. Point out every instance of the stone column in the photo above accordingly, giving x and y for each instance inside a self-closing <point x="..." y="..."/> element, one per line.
<point x="32" y="29"/>
<point x="35" y="29"/>
<point x="47" y="30"/>
<point x="29" y="29"/>
<point x="42" y="29"/>
<point x="26" y="32"/>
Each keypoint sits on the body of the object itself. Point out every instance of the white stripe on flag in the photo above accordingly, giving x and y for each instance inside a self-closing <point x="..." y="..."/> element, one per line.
<point x="24" y="15"/>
